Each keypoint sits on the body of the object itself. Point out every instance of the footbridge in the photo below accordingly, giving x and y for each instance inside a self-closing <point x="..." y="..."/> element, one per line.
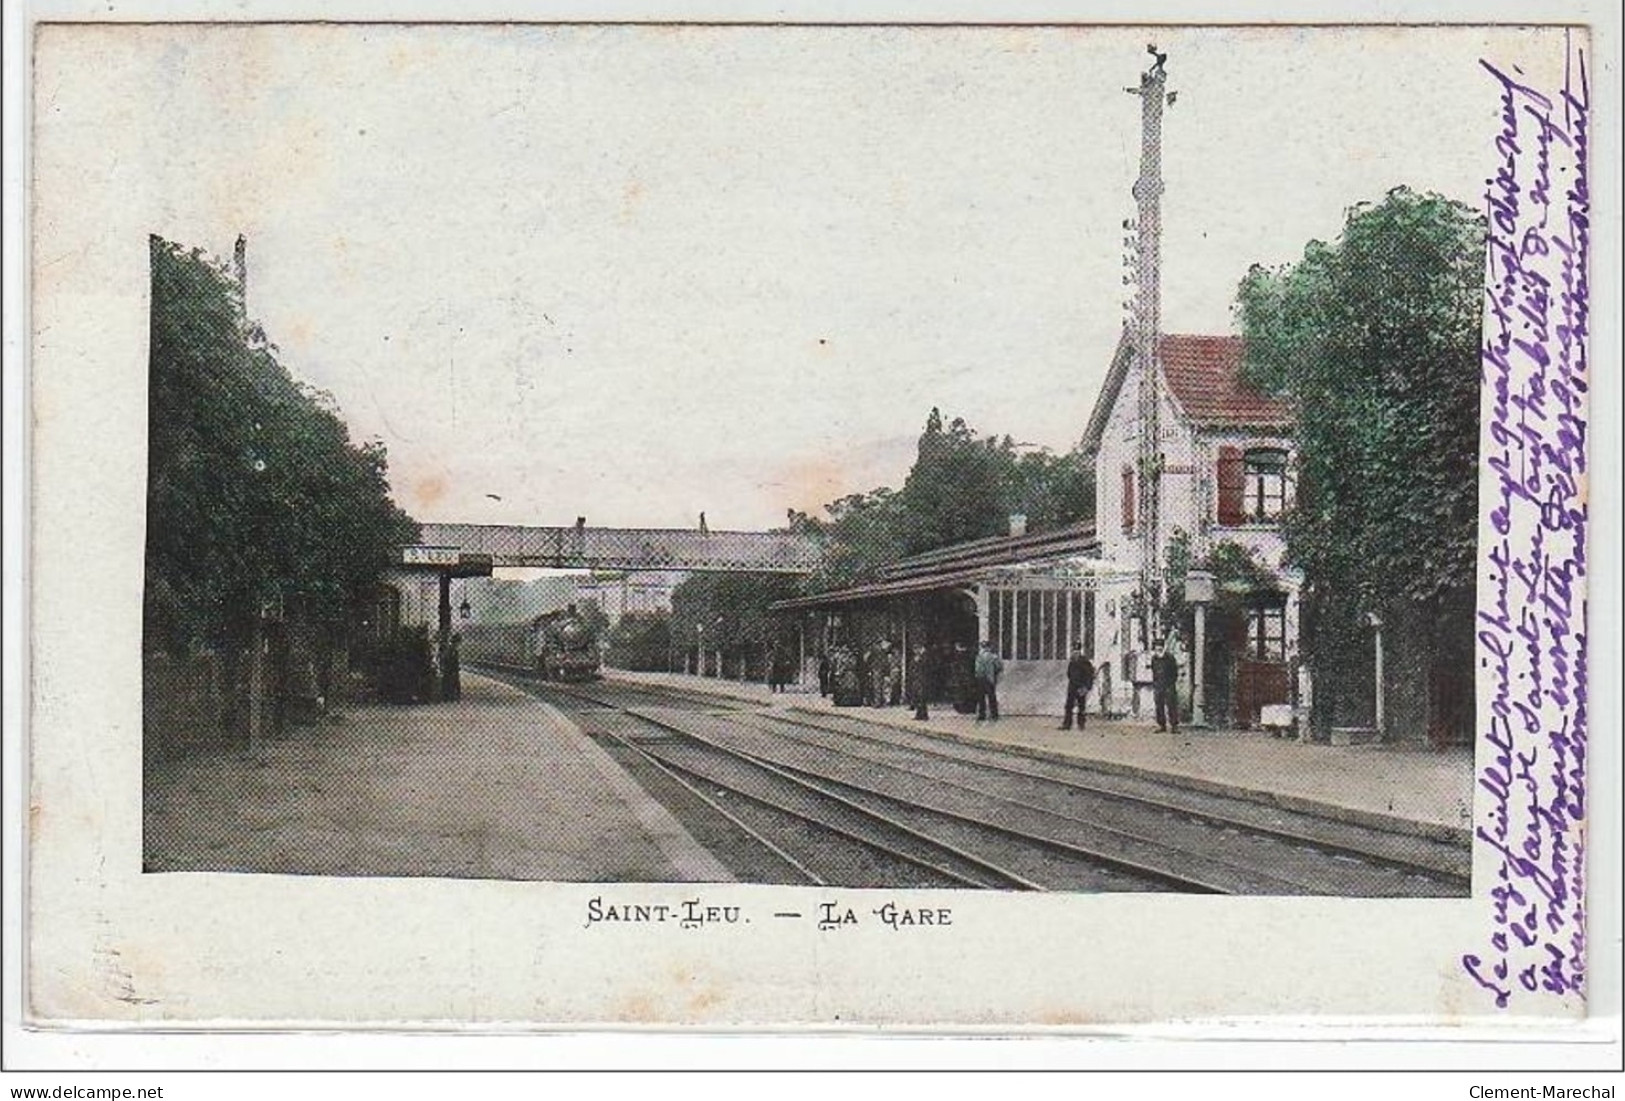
<point x="579" y="547"/>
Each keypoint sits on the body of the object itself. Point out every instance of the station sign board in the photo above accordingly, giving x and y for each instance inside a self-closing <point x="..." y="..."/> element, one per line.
<point x="421" y="555"/>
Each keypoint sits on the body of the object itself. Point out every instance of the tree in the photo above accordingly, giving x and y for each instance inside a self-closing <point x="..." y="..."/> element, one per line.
<point x="863" y="533"/>
<point x="641" y="641"/>
<point x="256" y="495"/>
<point x="957" y="489"/>
<point x="1050" y="490"/>
<point x="1375" y="339"/>
<point x="962" y="486"/>
<point x="729" y="612"/>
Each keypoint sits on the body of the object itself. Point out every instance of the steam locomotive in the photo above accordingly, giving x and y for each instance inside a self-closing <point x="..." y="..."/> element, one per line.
<point x="559" y="646"/>
<point x="566" y="646"/>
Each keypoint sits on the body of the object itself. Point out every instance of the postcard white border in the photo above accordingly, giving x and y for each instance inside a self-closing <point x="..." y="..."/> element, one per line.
<point x="1605" y="469"/>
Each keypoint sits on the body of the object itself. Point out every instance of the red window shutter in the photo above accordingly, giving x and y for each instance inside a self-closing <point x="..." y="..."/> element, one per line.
<point x="1232" y="479"/>
<point x="1128" y="498"/>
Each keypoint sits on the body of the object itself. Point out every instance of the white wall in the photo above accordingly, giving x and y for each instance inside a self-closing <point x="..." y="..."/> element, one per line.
<point x="1188" y="502"/>
<point x="1179" y="506"/>
<point x="1120" y="447"/>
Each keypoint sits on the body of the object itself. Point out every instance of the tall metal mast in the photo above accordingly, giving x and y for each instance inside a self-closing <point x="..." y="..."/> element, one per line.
<point x="1146" y="326"/>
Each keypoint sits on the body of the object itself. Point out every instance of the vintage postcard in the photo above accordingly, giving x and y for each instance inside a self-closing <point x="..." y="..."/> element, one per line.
<point x="1036" y="526"/>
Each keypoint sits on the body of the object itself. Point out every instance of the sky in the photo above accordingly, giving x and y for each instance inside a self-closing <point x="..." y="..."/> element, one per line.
<point x="636" y="273"/>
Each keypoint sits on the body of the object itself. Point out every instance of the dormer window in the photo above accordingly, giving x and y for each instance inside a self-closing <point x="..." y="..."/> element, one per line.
<point x="1252" y="485"/>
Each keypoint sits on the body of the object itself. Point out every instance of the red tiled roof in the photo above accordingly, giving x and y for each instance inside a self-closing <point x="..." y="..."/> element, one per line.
<point x="1204" y="374"/>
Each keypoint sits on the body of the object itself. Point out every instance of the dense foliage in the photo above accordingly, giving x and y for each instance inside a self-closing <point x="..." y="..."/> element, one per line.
<point x="729" y="611"/>
<point x="1237" y="575"/>
<point x="1375" y="338"/>
<point x="962" y="486"/>
<point x="642" y="641"/>
<point x="256" y="497"/>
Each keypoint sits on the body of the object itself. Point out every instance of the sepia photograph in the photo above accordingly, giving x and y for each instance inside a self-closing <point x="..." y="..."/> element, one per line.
<point x="818" y="481"/>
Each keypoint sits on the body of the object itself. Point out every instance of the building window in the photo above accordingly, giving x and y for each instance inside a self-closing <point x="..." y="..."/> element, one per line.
<point x="1266" y="632"/>
<point x="1039" y="624"/>
<point x="1265" y="483"/>
<point x="1252" y="485"/>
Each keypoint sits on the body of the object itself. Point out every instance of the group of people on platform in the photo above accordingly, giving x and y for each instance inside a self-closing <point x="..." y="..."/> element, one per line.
<point x="875" y="678"/>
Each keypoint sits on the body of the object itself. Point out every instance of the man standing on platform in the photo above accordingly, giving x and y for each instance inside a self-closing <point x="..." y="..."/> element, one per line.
<point x="988" y="667"/>
<point x="1080" y="677"/>
<point x="919" y="676"/>
<point x="451" y="672"/>
<point x="1165" y="682"/>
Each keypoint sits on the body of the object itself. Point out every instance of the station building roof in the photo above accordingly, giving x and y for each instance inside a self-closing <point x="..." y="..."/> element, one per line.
<point x="1204" y="376"/>
<point x="956" y="566"/>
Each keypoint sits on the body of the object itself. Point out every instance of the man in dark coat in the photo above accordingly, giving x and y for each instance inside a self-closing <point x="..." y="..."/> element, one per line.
<point x="845" y="678"/>
<point x="1165" y="683"/>
<point x="1080" y="677"/>
<point x="962" y="679"/>
<point x="919" y="676"/>
<point x="452" y="673"/>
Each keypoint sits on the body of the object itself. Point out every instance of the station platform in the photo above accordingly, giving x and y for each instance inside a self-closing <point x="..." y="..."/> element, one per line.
<point x="1409" y="789"/>
<point x="495" y="785"/>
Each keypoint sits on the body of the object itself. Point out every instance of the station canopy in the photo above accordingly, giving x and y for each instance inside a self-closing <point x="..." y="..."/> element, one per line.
<point x="1067" y="557"/>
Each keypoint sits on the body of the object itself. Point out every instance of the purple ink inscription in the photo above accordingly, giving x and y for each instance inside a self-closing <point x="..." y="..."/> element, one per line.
<point x="1532" y="622"/>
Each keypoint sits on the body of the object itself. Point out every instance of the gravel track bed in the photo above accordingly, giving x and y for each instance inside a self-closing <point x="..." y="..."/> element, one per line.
<point x="840" y="860"/>
<point x="1037" y="862"/>
<point x="1315" y="871"/>
<point x="913" y="794"/>
<point x="620" y="694"/>
<point x="1446" y="866"/>
<point x="739" y="850"/>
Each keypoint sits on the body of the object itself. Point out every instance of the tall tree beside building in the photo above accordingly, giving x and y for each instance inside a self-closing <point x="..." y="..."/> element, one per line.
<point x="256" y="495"/>
<point x="965" y="486"/>
<point x="1375" y="338"/>
<point x="962" y="486"/>
<point x="955" y="490"/>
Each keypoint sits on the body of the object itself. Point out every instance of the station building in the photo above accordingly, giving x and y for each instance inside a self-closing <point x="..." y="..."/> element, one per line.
<point x="1030" y="593"/>
<point x="1225" y="482"/>
<point x="1227" y="452"/>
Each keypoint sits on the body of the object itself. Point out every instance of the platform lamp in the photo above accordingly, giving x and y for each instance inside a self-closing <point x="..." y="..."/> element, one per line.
<point x="464" y="610"/>
<point x="1200" y="591"/>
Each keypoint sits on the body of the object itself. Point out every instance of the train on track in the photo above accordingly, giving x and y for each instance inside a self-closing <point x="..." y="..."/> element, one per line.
<point x="561" y="646"/>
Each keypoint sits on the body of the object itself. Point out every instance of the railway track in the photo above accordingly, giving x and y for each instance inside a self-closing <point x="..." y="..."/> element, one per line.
<point x="956" y="846"/>
<point x="829" y="838"/>
<point x="847" y="802"/>
<point x="1390" y="863"/>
